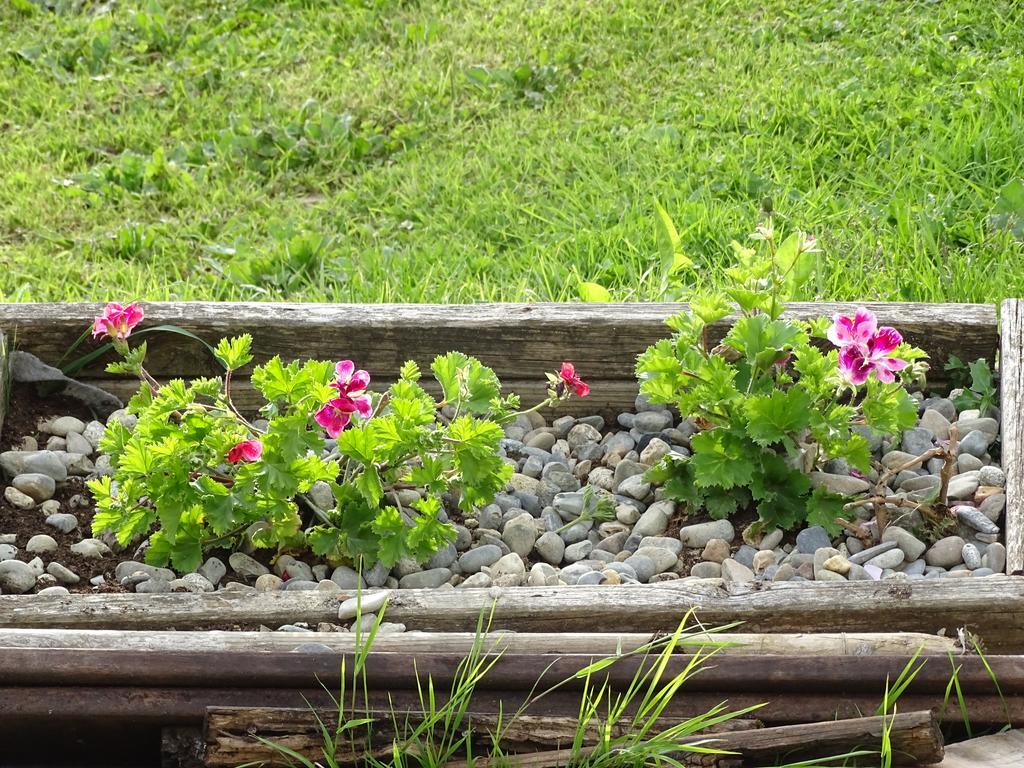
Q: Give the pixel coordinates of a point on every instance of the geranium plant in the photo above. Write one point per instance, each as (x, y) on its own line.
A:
(203, 473)
(770, 403)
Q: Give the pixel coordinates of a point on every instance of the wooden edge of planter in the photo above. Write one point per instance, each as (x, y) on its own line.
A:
(830, 644)
(520, 341)
(990, 607)
(1011, 401)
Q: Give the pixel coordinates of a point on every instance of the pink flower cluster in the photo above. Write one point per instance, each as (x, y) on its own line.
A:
(117, 321)
(351, 384)
(864, 348)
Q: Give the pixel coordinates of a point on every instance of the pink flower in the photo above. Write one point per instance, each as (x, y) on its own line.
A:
(336, 414)
(856, 330)
(572, 379)
(116, 321)
(865, 348)
(247, 450)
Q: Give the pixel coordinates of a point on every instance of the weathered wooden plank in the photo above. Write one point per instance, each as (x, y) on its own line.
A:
(168, 706)
(230, 733)
(992, 607)
(914, 739)
(999, 750)
(517, 340)
(507, 671)
(859, 644)
(1011, 380)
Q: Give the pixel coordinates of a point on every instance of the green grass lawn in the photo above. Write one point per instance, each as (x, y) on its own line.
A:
(446, 151)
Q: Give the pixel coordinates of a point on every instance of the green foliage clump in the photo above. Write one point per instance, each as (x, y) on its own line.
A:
(177, 471)
(771, 404)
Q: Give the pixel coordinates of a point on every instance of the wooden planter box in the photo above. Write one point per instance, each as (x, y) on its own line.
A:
(521, 342)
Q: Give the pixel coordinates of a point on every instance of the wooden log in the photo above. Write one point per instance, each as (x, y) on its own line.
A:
(914, 737)
(513, 672)
(1011, 382)
(915, 740)
(518, 340)
(167, 706)
(859, 644)
(230, 732)
(991, 607)
(999, 750)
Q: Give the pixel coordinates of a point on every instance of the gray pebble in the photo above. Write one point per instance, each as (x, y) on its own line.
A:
(810, 540)
(63, 522)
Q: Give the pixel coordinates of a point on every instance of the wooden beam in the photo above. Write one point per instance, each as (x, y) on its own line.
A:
(859, 644)
(991, 607)
(508, 671)
(230, 733)
(1011, 382)
(914, 739)
(518, 340)
(168, 706)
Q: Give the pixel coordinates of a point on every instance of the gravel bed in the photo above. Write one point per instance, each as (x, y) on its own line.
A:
(533, 533)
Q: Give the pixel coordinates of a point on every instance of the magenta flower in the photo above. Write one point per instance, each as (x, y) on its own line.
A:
(336, 414)
(856, 330)
(572, 379)
(117, 321)
(865, 348)
(247, 450)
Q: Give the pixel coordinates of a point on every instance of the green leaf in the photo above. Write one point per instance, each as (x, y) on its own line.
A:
(721, 504)
(234, 353)
(778, 417)
(392, 532)
(888, 408)
(670, 257)
(823, 508)
(720, 458)
(593, 292)
(751, 336)
(796, 265)
(710, 308)
(780, 492)
(1008, 211)
(468, 385)
(158, 552)
(186, 554)
(358, 442)
(369, 485)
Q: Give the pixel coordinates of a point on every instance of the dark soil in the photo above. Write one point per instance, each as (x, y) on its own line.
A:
(27, 410)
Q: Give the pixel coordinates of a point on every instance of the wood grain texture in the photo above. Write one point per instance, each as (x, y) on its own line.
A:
(508, 671)
(168, 706)
(1011, 401)
(999, 750)
(991, 607)
(859, 644)
(230, 733)
(520, 341)
(914, 738)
